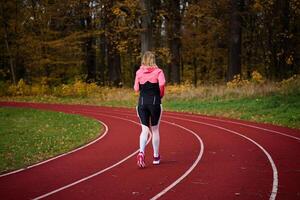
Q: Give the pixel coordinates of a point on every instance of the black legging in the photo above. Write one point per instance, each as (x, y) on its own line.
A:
(149, 113)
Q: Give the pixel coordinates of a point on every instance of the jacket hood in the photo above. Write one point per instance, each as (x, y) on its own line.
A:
(148, 69)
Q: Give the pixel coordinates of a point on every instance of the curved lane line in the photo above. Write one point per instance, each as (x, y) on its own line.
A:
(275, 172)
(99, 172)
(240, 123)
(61, 155)
(164, 191)
(227, 121)
(102, 171)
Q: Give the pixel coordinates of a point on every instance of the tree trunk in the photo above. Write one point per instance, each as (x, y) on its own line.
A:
(11, 62)
(90, 53)
(90, 60)
(102, 65)
(114, 63)
(174, 33)
(195, 71)
(234, 67)
(146, 35)
(284, 41)
(9, 52)
(102, 46)
(113, 55)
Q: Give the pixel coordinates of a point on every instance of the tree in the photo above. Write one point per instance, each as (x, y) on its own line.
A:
(174, 35)
(5, 9)
(89, 41)
(235, 48)
(146, 35)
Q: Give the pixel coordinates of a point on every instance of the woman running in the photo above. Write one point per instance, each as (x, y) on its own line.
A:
(150, 82)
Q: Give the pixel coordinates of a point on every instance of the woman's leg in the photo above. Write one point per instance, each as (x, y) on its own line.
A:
(143, 138)
(144, 115)
(156, 112)
(155, 140)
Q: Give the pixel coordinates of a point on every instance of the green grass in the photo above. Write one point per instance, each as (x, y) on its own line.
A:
(28, 136)
(277, 109)
(271, 102)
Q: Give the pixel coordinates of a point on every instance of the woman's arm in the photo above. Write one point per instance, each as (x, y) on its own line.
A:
(136, 83)
(162, 82)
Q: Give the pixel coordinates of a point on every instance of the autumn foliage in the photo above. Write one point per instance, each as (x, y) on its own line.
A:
(99, 41)
(237, 88)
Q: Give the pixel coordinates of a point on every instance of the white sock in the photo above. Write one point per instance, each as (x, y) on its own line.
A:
(155, 140)
(143, 138)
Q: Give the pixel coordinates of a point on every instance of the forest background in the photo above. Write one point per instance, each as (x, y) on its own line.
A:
(100, 41)
(232, 58)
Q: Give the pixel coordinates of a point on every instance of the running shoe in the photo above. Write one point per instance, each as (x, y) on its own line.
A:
(156, 160)
(141, 160)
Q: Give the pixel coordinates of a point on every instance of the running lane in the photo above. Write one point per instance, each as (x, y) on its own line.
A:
(259, 179)
(120, 142)
(59, 172)
(232, 167)
(283, 144)
(239, 161)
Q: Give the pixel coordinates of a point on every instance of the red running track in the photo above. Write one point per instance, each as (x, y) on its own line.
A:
(202, 158)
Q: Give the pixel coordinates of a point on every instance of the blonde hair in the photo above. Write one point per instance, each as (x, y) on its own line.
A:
(148, 59)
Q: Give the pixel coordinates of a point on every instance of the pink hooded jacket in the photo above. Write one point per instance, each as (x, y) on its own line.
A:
(152, 74)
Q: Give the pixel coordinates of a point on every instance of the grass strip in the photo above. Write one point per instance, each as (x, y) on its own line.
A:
(28, 136)
(275, 108)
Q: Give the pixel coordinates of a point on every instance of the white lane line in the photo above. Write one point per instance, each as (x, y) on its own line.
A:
(238, 123)
(159, 194)
(164, 191)
(99, 172)
(229, 121)
(275, 172)
(200, 154)
(61, 155)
